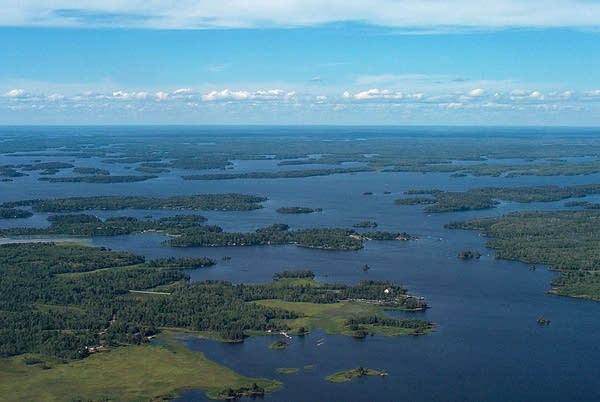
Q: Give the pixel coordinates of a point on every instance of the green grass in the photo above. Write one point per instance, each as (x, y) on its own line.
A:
(348, 375)
(287, 370)
(132, 373)
(332, 317)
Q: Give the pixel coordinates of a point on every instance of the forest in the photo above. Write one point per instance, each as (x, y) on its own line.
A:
(61, 300)
(229, 202)
(486, 197)
(567, 241)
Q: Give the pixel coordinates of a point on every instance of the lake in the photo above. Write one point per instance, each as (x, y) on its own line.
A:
(487, 344)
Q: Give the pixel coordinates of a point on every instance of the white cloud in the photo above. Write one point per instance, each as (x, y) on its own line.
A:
(375, 94)
(16, 93)
(477, 92)
(55, 97)
(183, 92)
(261, 94)
(225, 94)
(405, 14)
(161, 95)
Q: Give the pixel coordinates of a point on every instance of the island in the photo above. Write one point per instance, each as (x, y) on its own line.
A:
(100, 179)
(91, 171)
(278, 345)
(349, 375)
(14, 213)
(287, 370)
(297, 210)
(486, 197)
(70, 309)
(469, 255)
(218, 202)
(365, 224)
(286, 174)
(566, 241)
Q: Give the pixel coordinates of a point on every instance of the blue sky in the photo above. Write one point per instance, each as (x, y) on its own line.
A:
(304, 62)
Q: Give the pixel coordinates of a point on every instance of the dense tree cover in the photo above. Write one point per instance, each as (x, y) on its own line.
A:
(181, 263)
(485, 197)
(469, 255)
(322, 238)
(584, 204)
(91, 171)
(293, 275)
(365, 224)
(297, 210)
(276, 175)
(14, 213)
(58, 299)
(387, 236)
(92, 226)
(360, 324)
(188, 231)
(101, 179)
(47, 166)
(565, 240)
(391, 149)
(230, 202)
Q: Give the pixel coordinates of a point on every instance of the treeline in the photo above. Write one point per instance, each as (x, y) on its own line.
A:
(14, 213)
(92, 226)
(188, 231)
(181, 263)
(91, 171)
(567, 241)
(302, 274)
(297, 210)
(321, 238)
(230, 202)
(277, 175)
(100, 179)
(58, 299)
(486, 197)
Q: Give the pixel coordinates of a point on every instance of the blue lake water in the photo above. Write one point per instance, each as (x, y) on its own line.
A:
(487, 344)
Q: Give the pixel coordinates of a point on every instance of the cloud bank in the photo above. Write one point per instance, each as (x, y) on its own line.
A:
(207, 14)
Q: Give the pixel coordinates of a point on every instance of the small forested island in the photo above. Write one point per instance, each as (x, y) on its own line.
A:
(543, 321)
(348, 375)
(101, 179)
(46, 166)
(486, 197)
(181, 263)
(365, 224)
(14, 213)
(278, 345)
(300, 274)
(226, 202)
(319, 238)
(277, 175)
(91, 171)
(469, 255)
(287, 370)
(567, 241)
(297, 210)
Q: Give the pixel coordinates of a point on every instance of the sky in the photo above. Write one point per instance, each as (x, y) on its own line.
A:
(376, 62)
